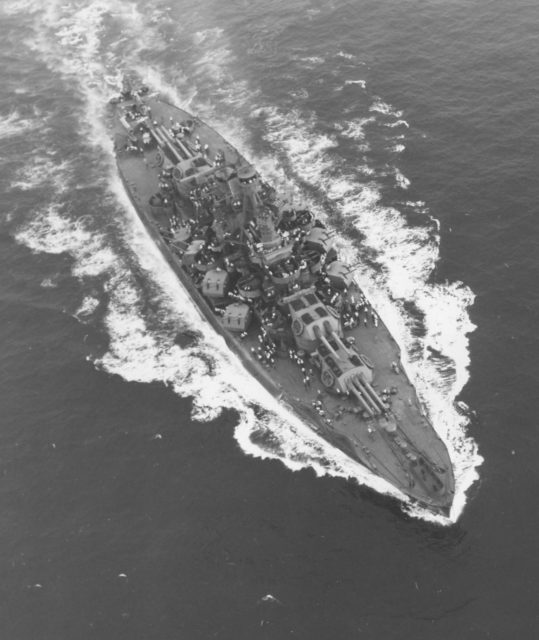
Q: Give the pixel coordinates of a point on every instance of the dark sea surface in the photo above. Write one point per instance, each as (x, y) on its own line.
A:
(153, 492)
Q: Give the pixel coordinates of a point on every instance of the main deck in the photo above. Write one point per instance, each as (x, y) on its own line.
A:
(398, 444)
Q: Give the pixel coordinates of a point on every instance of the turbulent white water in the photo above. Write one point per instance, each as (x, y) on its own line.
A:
(88, 45)
(14, 124)
(41, 170)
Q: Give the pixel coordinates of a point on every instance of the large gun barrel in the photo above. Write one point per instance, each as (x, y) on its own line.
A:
(178, 143)
(324, 341)
(372, 393)
(164, 143)
(358, 390)
(362, 402)
(178, 151)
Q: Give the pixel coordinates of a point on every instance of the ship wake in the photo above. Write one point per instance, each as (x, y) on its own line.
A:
(142, 305)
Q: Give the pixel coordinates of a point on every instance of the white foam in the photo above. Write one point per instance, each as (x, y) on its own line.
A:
(88, 306)
(40, 170)
(419, 205)
(346, 56)
(339, 188)
(312, 60)
(48, 283)
(402, 180)
(14, 7)
(299, 94)
(355, 129)
(397, 123)
(199, 37)
(361, 83)
(386, 109)
(52, 231)
(14, 124)
(307, 151)
(210, 69)
(408, 254)
(214, 63)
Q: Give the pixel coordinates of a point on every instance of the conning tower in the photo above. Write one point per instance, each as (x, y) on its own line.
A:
(253, 208)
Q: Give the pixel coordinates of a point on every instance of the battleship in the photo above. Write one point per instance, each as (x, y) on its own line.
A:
(265, 274)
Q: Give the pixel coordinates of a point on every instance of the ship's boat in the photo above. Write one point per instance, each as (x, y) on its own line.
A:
(266, 275)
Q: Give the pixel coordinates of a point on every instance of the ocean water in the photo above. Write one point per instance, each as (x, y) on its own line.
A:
(150, 491)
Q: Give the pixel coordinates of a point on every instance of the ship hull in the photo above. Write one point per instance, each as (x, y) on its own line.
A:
(376, 451)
